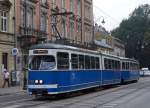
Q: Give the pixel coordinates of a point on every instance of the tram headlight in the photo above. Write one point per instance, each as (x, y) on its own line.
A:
(36, 81)
(41, 81)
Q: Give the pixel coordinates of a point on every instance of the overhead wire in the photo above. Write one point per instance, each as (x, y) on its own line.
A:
(102, 11)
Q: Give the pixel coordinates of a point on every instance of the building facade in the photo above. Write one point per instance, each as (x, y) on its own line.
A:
(103, 40)
(39, 21)
(119, 47)
(76, 27)
(107, 43)
(36, 17)
(6, 37)
(51, 20)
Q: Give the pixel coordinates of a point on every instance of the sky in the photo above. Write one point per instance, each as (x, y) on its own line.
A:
(114, 11)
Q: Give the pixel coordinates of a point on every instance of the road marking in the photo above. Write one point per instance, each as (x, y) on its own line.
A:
(12, 106)
(109, 105)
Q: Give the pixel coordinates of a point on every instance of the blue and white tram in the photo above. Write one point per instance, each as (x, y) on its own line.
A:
(111, 73)
(130, 70)
(55, 69)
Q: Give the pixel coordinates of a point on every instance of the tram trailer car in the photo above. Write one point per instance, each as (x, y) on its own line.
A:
(56, 69)
(111, 73)
(130, 70)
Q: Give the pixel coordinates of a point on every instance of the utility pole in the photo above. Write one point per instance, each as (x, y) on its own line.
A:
(23, 50)
(54, 23)
(15, 45)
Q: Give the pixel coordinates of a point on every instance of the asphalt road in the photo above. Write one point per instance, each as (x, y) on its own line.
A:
(133, 95)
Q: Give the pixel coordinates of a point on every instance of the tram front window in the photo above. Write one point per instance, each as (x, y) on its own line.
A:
(42, 62)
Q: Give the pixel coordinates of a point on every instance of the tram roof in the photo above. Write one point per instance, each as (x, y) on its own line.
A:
(66, 47)
(129, 59)
(60, 46)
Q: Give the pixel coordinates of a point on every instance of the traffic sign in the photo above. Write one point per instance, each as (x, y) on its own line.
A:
(14, 51)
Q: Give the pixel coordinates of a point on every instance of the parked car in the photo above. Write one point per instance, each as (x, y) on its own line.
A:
(144, 72)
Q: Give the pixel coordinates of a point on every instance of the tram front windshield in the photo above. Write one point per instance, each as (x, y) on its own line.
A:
(42, 62)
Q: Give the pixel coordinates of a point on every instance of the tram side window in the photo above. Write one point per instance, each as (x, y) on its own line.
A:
(123, 66)
(110, 64)
(118, 65)
(131, 66)
(135, 66)
(106, 63)
(81, 62)
(74, 61)
(87, 62)
(92, 62)
(62, 60)
(127, 66)
(114, 64)
(97, 63)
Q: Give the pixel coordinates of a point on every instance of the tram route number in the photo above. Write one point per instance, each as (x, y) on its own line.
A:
(40, 51)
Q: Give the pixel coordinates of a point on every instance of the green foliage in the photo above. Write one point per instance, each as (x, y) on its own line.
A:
(135, 33)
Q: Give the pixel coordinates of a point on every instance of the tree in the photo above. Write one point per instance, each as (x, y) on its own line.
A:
(135, 33)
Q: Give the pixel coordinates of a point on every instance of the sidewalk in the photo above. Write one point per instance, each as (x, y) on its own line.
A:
(11, 90)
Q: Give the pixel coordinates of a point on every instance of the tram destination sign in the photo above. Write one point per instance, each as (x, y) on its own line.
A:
(40, 51)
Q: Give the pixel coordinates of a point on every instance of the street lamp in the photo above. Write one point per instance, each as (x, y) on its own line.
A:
(101, 17)
(103, 22)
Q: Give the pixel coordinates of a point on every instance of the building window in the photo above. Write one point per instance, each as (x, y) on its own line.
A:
(78, 27)
(78, 31)
(43, 2)
(23, 16)
(72, 30)
(30, 18)
(88, 12)
(64, 28)
(63, 3)
(4, 21)
(53, 21)
(5, 60)
(43, 22)
(79, 7)
(71, 5)
(53, 4)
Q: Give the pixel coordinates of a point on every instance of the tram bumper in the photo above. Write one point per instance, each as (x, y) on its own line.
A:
(42, 89)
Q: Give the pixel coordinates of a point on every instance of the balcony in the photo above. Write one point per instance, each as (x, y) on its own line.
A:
(30, 36)
(29, 3)
(33, 1)
(54, 8)
(6, 3)
(45, 4)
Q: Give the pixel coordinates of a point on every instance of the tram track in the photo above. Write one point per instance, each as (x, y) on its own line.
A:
(81, 97)
(142, 85)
